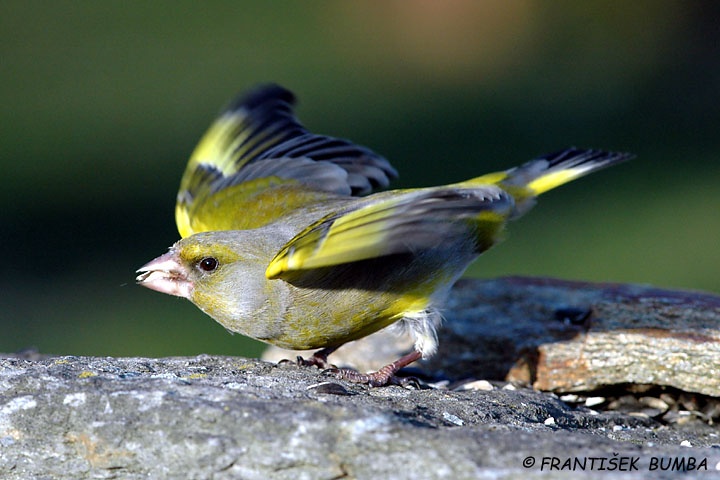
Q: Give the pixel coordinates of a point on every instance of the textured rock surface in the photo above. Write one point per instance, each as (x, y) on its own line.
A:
(211, 417)
(222, 417)
(565, 336)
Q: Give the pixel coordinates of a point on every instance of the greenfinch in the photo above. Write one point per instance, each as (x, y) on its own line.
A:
(282, 239)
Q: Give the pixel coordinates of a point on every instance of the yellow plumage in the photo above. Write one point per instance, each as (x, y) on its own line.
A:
(284, 241)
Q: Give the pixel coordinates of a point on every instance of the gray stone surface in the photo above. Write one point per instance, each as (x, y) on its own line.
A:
(224, 418)
(221, 417)
(564, 336)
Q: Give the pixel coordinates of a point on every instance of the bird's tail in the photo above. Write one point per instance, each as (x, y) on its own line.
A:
(539, 175)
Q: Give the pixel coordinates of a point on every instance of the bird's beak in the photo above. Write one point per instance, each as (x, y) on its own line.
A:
(166, 274)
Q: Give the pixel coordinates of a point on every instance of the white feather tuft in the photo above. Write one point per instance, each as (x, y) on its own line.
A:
(423, 328)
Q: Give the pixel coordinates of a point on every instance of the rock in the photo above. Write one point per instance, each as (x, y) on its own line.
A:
(221, 417)
(570, 336)
(564, 336)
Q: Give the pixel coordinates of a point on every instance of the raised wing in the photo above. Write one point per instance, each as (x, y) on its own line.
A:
(256, 161)
(408, 222)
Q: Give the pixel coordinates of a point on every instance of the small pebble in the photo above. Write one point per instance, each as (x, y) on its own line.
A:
(655, 403)
(685, 443)
(592, 401)
(440, 385)
(549, 421)
(330, 388)
(455, 420)
(481, 385)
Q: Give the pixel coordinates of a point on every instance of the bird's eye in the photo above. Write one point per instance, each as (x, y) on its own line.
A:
(208, 264)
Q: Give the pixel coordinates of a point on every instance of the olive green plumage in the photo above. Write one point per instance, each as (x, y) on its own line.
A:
(283, 240)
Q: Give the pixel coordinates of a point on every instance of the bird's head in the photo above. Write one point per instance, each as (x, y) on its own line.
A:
(220, 272)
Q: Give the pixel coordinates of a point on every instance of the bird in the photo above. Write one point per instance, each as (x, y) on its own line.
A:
(292, 238)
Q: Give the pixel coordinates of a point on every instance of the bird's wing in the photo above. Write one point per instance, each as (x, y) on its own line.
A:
(395, 222)
(256, 162)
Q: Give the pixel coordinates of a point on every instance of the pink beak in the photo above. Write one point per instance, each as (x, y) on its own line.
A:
(166, 274)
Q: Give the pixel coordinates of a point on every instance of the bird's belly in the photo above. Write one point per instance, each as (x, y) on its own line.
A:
(362, 299)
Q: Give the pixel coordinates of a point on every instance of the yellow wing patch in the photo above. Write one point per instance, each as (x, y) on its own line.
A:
(257, 144)
(356, 236)
(248, 205)
(219, 144)
(407, 222)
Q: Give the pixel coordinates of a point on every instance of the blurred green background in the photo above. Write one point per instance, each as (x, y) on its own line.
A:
(102, 102)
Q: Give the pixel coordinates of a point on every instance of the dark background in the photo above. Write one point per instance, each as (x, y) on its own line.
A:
(102, 102)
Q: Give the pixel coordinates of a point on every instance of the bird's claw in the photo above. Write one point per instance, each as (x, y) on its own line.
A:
(314, 361)
(384, 376)
(318, 359)
(381, 378)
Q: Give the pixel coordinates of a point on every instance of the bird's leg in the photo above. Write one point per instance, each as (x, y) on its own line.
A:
(384, 376)
(318, 359)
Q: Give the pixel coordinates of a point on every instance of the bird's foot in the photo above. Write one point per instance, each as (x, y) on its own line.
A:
(384, 376)
(318, 359)
(374, 379)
